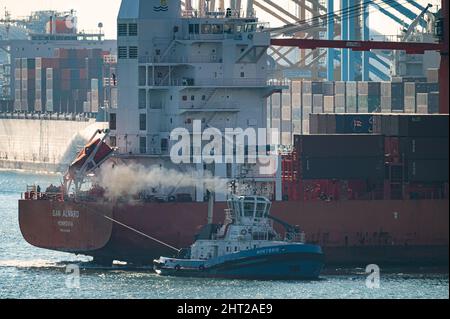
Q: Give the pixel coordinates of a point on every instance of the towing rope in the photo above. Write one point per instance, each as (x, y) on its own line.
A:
(133, 229)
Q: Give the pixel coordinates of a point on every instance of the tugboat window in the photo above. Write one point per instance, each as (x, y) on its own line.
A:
(249, 208)
(260, 210)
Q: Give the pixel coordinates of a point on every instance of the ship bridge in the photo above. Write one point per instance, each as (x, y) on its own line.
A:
(247, 209)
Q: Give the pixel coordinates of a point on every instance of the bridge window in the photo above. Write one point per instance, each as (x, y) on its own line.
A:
(142, 122)
(133, 52)
(228, 28)
(194, 28)
(216, 28)
(122, 29)
(122, 52)
(133, 29)
(206, 28)
(142, 99)
(112, 121)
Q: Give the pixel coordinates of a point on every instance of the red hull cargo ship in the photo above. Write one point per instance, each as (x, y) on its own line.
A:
(377, 194)
(367, 188)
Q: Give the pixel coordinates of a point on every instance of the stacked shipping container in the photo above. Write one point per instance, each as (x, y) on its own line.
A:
(308, 97)
(406, 156)
(61, 84)
(421, 141)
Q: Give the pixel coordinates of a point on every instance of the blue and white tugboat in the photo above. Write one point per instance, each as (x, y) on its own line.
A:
(246, 247)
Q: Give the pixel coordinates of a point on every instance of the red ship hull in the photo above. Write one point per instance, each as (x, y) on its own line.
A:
(350, 232)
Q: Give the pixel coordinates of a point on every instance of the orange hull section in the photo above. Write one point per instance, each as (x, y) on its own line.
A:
(63, 226)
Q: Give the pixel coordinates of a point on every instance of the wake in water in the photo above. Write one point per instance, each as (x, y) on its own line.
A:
(27, 264)
(43, 264)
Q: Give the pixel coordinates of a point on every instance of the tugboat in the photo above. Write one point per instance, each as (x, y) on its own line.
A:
(246, 246)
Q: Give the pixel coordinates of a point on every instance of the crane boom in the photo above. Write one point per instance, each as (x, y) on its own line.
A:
(414, 24)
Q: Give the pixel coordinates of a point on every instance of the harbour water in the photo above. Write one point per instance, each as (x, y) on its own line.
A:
(29, 272)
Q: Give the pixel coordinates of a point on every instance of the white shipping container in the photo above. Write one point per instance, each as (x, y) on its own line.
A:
(339, 87)
(410, 89)
(328, 104)
(307, 100)
(318, 100)
(422, 99)
(351, 88)
(433, 75)
(410, 104)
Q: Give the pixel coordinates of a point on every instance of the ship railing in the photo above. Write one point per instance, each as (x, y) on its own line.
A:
(182, 59)
(45, 116)
(192, 13)
(34, 195)
(295, 237)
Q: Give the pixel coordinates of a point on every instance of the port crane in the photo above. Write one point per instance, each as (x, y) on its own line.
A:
(408, 47)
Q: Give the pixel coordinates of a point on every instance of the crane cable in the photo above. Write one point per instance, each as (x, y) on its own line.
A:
(350, 12)
(131, 228)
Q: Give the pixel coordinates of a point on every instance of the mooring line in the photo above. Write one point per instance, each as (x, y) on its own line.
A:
(134, 230)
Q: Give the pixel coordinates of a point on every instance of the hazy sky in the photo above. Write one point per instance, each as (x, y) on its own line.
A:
(91, 12)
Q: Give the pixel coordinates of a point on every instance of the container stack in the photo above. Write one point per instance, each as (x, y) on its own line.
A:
(386, 97)
(433, 103)
(342, 123)
(286, 122)
(422, 103)
(352, 97)
(410, 97)
(368, 97)
(382, 124)
(61, 83)
(307, 97)
(296, 107)
(18, 85)
(42, 65)
(307, 103)
(328, 97)
(317, 92)
(424, 143)
(53, 102)
(343, 157)
(28, 84)
(276, 111)
(433, 75)
(398, 97)
(339, 99)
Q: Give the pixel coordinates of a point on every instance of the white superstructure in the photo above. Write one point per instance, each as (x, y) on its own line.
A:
(176, 67)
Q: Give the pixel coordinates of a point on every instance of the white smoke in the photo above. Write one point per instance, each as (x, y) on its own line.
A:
(129, 180)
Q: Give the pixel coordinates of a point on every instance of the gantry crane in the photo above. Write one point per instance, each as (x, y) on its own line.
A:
(408, 47)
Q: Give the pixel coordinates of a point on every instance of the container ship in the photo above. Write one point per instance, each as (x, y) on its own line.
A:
(370, 188)
(56, 84)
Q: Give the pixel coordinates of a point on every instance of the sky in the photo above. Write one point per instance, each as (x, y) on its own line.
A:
(91, 12)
